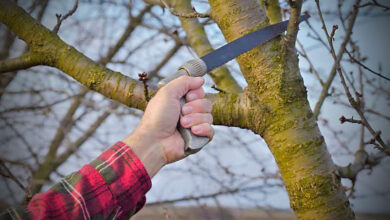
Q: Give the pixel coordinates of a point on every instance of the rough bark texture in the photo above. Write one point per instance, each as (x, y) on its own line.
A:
(52, 160)
(274, 105)
(291, 131)
(109, 83)
(197, 38)
(9, 38)
(57, 53)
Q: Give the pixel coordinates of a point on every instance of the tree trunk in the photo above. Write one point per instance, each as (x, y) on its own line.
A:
(274, 105)
(290, 130)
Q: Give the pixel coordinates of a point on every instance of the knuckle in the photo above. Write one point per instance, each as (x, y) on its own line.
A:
(197, 105)
(205, 105)
(209, 105)
(209, 118)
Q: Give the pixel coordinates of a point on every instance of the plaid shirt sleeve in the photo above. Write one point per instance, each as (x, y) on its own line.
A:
(111, 187)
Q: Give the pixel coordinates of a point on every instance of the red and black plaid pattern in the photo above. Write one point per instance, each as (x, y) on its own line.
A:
(111, 187)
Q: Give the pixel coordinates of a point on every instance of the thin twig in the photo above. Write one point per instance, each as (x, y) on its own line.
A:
(312, 69)
(292, 3)
(61, 18)
(38, 107)
(353, 59)
(317, 36)
(372, 111)
(351, 120)
(11, 176)
(375, 3)
(25, 142)
(143, 77)
(324, 93)
(354, 103)
(218, 89)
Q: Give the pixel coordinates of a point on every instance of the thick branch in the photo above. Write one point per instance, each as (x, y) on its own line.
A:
(273, 11)
(236, 110)
(23, 62)
(290, 131)
(8, 40)
(154, 2)
(197, 38)
(103, 80)
(52, 161)
(5, 79)
(293, 26)
(362, 161)
(66, 58)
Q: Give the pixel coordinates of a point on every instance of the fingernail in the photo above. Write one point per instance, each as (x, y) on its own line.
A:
(186, 121)
(186, 109)
(196, 128)
(191, 96)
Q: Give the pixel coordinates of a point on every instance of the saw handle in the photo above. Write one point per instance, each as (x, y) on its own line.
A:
(192, 142)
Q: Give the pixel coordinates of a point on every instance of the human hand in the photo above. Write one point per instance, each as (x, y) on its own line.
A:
(156, 135)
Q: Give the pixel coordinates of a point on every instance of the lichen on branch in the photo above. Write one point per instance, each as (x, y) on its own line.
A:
(114, 85)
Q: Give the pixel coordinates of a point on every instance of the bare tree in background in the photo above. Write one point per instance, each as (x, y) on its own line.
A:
(47, 118)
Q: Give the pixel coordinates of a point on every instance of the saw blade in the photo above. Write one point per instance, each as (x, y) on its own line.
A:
(245, 43)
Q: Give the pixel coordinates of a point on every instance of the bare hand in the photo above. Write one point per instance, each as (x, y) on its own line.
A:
(157, 129)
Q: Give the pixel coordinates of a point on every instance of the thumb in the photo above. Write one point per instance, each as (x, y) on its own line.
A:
(179, 87)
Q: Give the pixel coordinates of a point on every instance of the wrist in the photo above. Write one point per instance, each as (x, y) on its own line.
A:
(150, 153)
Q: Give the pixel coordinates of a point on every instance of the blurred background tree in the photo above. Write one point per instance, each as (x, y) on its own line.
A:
(51, 125)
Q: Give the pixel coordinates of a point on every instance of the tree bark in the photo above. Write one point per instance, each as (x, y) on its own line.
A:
(6, 78)
(52, 160)
(274, 105)
(197, 38)
(290, 130)
(111, 84)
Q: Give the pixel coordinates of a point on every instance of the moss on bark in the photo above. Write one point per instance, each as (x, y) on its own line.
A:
(290, 129)
(197, 38)
(274, 105)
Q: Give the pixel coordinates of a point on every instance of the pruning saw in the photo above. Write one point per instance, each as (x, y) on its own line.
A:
(199, 67)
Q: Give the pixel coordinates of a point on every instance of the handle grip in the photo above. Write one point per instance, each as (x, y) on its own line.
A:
(192, 142)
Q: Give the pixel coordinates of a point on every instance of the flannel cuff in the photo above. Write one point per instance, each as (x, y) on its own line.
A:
(125, 176)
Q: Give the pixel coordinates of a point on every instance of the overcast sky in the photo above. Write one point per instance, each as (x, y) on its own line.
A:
(371, 33)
